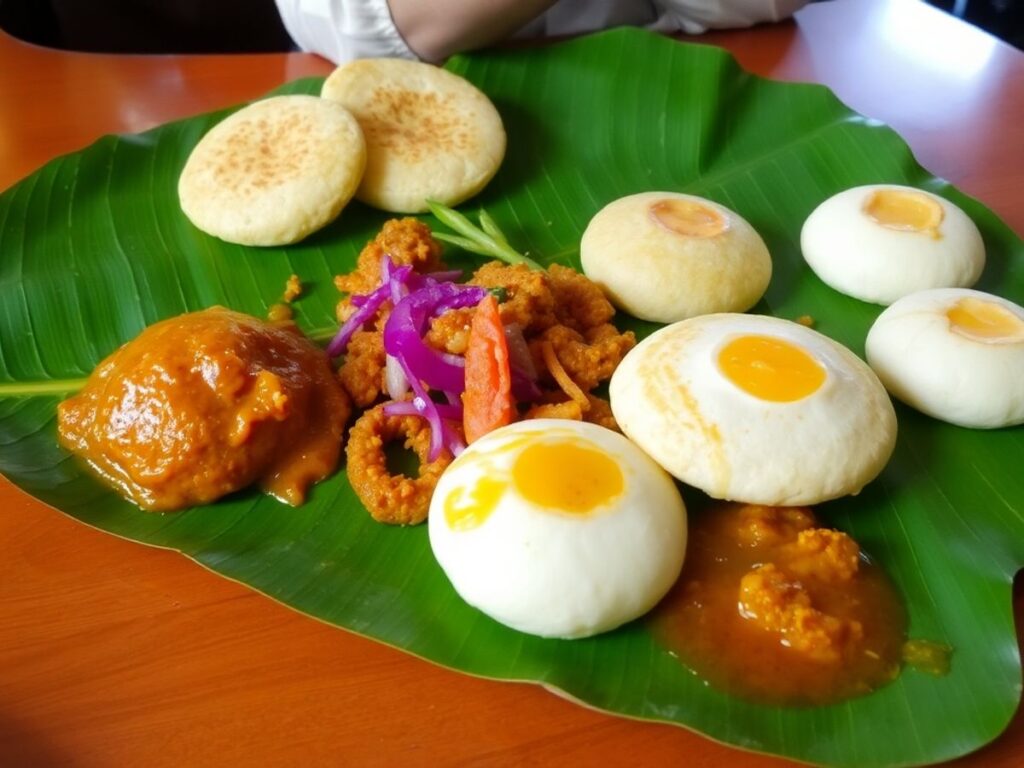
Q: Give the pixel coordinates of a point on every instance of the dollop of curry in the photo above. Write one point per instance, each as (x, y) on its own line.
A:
(772, 607)
(207, 403)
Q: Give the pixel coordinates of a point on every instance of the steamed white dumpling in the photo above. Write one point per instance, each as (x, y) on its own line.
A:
(558, 528)
(881, 242)
(955, 354)
(755, 409)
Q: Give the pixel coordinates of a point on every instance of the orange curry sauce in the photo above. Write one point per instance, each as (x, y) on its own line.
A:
(206, 403)
(773, 609)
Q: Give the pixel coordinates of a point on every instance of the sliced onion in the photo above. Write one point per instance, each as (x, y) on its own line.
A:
(410, 362)
(457, 360)
(359, 318)
(387, 268)
(425, 407)
(524, 389)
(519, 356)
(446, 276)
(394, 378)
(393, 286)
(399, 283)
(404, 329)
(453, 438)
(416, 408)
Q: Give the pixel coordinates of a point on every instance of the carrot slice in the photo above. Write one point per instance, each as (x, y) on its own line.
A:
(487, 401)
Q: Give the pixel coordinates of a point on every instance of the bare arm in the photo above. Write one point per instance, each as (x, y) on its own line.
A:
(437, 29)
(695, 16)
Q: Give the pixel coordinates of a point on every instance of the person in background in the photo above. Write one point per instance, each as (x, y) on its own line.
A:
(342, 30)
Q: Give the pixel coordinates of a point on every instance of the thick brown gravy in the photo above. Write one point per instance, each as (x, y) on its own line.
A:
(204, 404)
(770, 608)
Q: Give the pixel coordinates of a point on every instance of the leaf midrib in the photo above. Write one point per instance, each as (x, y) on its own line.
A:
(63, 386)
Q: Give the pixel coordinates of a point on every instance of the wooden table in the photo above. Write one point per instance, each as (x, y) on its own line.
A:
(114, 654)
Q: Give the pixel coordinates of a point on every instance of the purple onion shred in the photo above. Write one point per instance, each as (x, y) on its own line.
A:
(418, 299)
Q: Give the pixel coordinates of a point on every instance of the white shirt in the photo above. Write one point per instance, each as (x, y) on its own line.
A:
(342, 30)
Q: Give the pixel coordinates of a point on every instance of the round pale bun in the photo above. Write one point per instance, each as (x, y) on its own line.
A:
(666, 256)
(274, 171)
(972, 376)
(677, 396)
(919, 241)
(429, 134)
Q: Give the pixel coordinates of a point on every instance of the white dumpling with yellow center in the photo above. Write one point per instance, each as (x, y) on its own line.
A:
(558, 528)
(755, 409)
(878, 243)
(666, 256)
(955, 354)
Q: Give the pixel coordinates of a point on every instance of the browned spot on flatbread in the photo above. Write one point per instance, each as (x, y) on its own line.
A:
(413, 124)
(261, 153)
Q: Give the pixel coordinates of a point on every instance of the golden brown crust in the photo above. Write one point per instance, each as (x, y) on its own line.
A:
(430, 134)
(565, 409)
(393, 499)
(558, 307)
(588, 360)
(579, 302)
(362, 373)
(553, 407)
(274, 171)
(406, 241)
(600, 413)
(528, 302)
(450, 331)
(437, 126)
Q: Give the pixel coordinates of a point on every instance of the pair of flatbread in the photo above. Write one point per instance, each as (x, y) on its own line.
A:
(391, 132)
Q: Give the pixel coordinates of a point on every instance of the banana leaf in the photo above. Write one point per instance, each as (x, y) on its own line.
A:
(94, 247)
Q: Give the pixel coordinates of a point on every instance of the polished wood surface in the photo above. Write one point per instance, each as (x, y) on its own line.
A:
(115, 654)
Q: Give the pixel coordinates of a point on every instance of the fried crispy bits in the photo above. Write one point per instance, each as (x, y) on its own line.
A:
(392, 498)
(561, 324)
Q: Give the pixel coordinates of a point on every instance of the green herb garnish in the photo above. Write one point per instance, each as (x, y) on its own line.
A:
(485, 240)
(499, 292)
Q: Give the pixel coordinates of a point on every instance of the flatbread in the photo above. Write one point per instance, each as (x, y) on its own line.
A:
(274, 171)
(429, 134)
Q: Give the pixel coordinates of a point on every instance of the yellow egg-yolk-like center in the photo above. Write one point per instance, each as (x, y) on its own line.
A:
(985, 321)
(567, 477)
(904, 210)
(557, 476)
(688, 218)
(468, 508)
(771, 368)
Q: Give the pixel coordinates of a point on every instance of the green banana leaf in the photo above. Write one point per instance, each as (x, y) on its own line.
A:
(94, 247)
